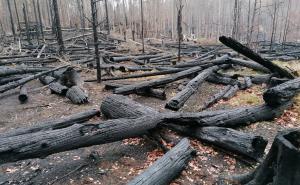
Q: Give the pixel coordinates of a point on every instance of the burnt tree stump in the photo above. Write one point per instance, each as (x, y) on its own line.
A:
(281, 166)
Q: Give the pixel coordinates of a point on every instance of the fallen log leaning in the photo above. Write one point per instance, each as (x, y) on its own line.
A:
(168, 167)
(53, 124)
(282, 93)
(129, 89)
(238, 47)
(18, 83)
(179, 100)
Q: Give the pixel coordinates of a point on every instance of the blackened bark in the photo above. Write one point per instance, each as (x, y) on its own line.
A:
(238, 47)
(168, 167)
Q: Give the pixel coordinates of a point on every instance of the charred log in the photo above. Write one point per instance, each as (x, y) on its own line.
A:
(249, 145)
(238, 47)
(46, 80)
(23, 81)
(228, 118)
(43, 143)
(53, 124)
(23, 96)
(168, 167)
(231, 92)
(129, 89)
(77, 95)
(214, 99)
(57, 88)
(179, 100)
(282, 93)
(7, 71)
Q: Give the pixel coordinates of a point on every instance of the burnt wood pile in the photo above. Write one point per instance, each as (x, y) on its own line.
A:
(125, 118)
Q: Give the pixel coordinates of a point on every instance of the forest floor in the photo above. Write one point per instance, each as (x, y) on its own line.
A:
(119, 162)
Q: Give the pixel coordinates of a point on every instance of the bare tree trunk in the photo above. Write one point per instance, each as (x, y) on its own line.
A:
(287, 23)
(18, 19)
(126, 18)
(58, 27)
(11, 19)
(36, 25)
(80, 9)
(26, 24)
(179, 29)
(252, 23)
(142, 22)
(274, 24)
(40, 18)
(96, 42)
(107, 18)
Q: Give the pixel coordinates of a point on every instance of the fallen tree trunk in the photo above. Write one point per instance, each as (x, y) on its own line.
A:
(280, 167)
(228, 118)
(168, 167)
(53, 124)
(77, 95)
(23, 81)
(7, 71)
(200, 62)
(179, 100)
(57, 88)
(46, 80)
(249, 64)
(231, 92)
(129, 89)
(282, 93)
(43, 143)
(6, 80)
(238, 47)
(117, 106)
(251, 146)
(23, 96)
(217, 78)
(214, 99)
(147, 74)
(155, 93)
(247, 83)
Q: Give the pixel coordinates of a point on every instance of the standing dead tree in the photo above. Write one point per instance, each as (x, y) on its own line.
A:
(142, 22)
(58, 26)
(17, 15)
(107, 17)
(40, 18)
(26, 24)
(11, 20)
(179, 28)
(96, 44)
